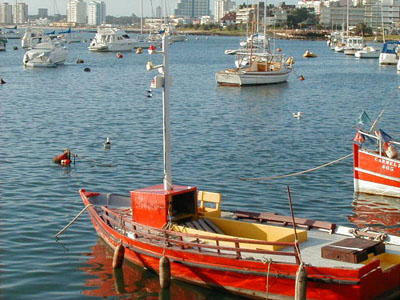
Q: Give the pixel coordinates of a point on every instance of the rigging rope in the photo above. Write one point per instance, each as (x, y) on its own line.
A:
(297, 173)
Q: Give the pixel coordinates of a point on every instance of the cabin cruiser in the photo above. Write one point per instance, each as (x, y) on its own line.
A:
(354, 44)
(111, 39)
(46, 54)
(32, 37)
(390, 53)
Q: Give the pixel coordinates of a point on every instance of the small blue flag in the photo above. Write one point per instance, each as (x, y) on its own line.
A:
(364, 118)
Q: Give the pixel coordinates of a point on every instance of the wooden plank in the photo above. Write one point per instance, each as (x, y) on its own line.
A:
(189, 225)
(213, 226)
(272, 217)
(197, 225)
(205, 226)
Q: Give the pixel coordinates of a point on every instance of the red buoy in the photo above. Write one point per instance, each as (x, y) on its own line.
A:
(301, 77)
(119, 55)
(64, 158)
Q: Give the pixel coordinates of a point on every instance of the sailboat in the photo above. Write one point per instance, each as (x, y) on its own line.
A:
(145, 41)
(173, 230)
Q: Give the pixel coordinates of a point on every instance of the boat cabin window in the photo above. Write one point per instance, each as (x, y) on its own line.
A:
(183, 205)
(125, 36)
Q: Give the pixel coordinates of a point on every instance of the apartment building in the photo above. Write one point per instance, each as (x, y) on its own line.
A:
(96, 13)
(76, 12)
(5, 13)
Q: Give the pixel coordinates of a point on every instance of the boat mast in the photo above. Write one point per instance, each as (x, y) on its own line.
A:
(347, 30)
(141, 17)
(166, 121)
(383, 28)
(264, 24)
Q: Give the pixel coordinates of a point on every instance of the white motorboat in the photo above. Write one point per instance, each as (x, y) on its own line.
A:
(173, 35)
(32, 37)
(111, 39)
(398, 66)
(46, 54)
(264, 69)
(368, 52)
(353, 44)
(390, 53)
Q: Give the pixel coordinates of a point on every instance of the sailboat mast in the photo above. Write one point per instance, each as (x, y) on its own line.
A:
(141, 17)
(264, 24)
(166, 121)
(347, 30)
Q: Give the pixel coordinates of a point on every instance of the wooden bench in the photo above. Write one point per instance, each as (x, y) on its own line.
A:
(284, 220)
(203, 224)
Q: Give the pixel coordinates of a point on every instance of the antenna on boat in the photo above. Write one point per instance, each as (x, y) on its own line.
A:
(163, 81)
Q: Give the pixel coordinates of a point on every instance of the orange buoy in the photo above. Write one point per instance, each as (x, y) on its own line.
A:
(118, 258)
(119, 55)
(63, 158)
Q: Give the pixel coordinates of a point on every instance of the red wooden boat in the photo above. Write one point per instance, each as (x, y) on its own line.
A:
(255, 255)
(377, 169)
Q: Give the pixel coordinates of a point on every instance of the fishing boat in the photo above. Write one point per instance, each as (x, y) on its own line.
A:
(377, 166)
(308, 53)
(109, 39)
(390, 53)
(49, 53)
(181, 232)
(368, 52)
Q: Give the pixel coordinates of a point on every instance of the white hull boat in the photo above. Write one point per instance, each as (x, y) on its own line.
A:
(32, 37)
(109, 39)
(368, 52)
(390, 53)
(261, 71)
(47, 54)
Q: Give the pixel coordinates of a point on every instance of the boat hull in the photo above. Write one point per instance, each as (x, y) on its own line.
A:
(254, 279)
(388, 59)
(375, 174)
(237, 78)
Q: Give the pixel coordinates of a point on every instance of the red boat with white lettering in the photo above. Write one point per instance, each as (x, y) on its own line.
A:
(376, 168)
(181, 233)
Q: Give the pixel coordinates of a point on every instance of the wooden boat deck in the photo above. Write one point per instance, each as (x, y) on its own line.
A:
(310, 250)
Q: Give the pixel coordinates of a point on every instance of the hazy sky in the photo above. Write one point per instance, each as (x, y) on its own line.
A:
(119, 7)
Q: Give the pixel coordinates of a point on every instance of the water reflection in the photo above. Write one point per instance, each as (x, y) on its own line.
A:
(377, 212)
(132, 282)
(262, 91)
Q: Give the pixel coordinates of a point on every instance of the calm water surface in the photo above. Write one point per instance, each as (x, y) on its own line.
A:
(219, 135)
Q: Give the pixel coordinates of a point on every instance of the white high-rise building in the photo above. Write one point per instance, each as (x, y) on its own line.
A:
(192, 8)
(5, 13)
(76, 12)
(20, 15)
(96, 13)
(222, 7)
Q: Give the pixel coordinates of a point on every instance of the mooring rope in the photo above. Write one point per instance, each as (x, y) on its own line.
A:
(297, 173)
(74, 219)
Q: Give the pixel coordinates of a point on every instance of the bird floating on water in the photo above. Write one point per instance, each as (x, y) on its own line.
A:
(297, 115)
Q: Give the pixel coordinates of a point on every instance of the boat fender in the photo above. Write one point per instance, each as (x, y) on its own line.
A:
(118, 258)
(165, 272)
(86, 69)
(119, 55)
(2, 81)
(301, 283)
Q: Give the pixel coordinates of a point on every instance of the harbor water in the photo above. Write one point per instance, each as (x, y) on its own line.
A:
(219, 135)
